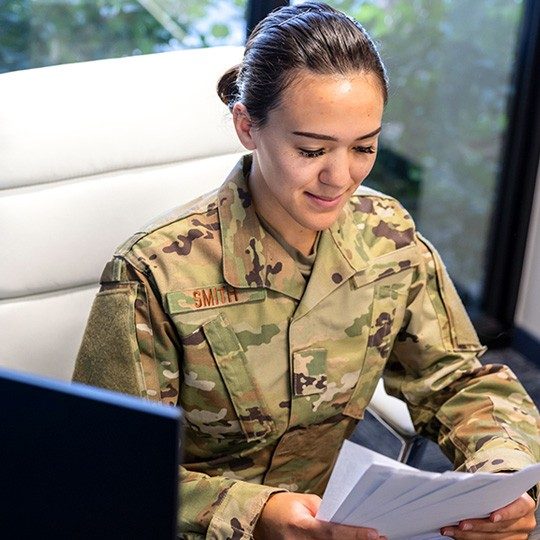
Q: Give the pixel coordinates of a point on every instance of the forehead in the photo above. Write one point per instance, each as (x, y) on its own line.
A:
(331, 102)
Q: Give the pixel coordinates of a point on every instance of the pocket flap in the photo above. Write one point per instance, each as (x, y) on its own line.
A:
(243, 392)
(387, 265)
(386, 317)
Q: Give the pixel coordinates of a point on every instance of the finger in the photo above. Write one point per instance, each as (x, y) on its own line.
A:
(524, 524)
(517, 516)
(312, 503)
(480, 529)
(333, 531)
(455, 533)
(516, 509)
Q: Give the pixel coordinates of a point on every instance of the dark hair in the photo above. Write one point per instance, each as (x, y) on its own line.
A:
(312, 36)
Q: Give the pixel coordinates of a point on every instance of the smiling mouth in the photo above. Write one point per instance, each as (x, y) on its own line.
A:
(325, 201)
(329, 199)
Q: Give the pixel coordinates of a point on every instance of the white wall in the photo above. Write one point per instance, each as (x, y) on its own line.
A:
(528, 308)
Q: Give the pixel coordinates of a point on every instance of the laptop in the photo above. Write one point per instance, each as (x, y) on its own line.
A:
(80, 462)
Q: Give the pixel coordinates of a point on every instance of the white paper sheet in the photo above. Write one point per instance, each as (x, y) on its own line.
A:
(398, 483)
(349, 468)
(371, 481)
(477, 502)
(370, 490)
(426, 484)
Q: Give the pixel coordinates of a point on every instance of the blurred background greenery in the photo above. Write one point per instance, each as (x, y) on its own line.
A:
(35, 33)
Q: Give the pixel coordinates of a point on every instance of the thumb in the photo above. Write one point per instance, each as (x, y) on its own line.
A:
(312, 503)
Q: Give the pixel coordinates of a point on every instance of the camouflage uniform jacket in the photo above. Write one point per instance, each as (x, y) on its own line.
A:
(206, 310)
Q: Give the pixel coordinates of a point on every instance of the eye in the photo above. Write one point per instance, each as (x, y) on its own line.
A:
(364, 149)
(311, 153)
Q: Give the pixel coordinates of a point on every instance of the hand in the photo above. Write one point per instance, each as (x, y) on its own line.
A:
(291, 516)
(513, 522)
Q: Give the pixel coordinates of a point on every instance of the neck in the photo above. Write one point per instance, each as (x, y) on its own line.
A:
(294, 234)
(301, 239)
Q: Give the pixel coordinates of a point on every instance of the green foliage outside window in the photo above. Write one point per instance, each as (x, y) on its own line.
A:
(37, 33)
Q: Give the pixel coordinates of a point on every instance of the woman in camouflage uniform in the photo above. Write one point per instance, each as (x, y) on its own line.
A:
(269, 309)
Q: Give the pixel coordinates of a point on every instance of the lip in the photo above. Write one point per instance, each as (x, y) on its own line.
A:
(324, 202)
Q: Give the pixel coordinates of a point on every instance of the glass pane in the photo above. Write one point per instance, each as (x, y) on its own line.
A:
(450, 65)
(37, 33)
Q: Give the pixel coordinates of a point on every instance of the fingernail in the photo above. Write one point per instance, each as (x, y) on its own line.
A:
(466, 527)
(373, 535)
(447, 532)
(496, 517)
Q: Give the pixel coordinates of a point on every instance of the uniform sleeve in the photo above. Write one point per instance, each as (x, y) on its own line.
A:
(481, 416)
(130, 346)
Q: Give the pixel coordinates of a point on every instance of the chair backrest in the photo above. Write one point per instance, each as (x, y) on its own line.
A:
(88, 153)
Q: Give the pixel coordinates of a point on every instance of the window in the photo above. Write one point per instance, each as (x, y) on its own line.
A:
(450, 65)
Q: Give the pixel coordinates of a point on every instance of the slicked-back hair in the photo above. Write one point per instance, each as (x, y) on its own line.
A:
(310, 36)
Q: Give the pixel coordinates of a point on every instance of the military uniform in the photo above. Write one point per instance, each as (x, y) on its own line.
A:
(205, 309)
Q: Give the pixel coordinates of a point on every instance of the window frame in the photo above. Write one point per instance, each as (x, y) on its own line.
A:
(257, 10)
(520, 158)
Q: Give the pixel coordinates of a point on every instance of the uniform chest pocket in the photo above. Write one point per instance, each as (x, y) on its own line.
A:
(246, 398)
(388, 309)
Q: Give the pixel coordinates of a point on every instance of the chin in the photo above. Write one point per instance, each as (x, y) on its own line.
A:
(320, 226)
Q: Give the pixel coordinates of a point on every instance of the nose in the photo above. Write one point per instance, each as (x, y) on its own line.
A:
(336, 171)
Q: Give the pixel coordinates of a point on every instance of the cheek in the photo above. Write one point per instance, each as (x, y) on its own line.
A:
(276, 158)
(284, 176)
(301, 172)
(362, 169)
(290, 168)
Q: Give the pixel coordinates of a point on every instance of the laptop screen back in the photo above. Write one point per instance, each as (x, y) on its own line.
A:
(81, 462)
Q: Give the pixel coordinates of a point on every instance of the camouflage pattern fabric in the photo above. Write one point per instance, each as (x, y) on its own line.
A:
(274, 373)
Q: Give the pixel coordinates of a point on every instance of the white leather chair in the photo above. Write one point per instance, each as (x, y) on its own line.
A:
(88, 153)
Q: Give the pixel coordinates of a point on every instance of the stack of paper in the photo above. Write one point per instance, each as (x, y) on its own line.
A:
(367, 489)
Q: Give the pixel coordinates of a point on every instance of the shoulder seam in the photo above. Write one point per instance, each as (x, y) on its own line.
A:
(191, 208)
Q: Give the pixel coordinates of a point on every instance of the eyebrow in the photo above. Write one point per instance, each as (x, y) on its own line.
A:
(321, 137)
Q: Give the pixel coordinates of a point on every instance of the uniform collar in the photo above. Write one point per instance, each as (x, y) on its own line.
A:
(337, 261)
(348, 236)
(252, 258)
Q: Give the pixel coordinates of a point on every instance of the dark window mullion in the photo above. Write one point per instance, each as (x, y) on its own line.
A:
(512, 211)
(257, 10)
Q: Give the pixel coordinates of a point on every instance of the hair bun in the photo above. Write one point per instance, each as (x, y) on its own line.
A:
(227, 87)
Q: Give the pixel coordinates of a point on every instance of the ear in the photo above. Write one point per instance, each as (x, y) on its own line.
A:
(243, 125)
